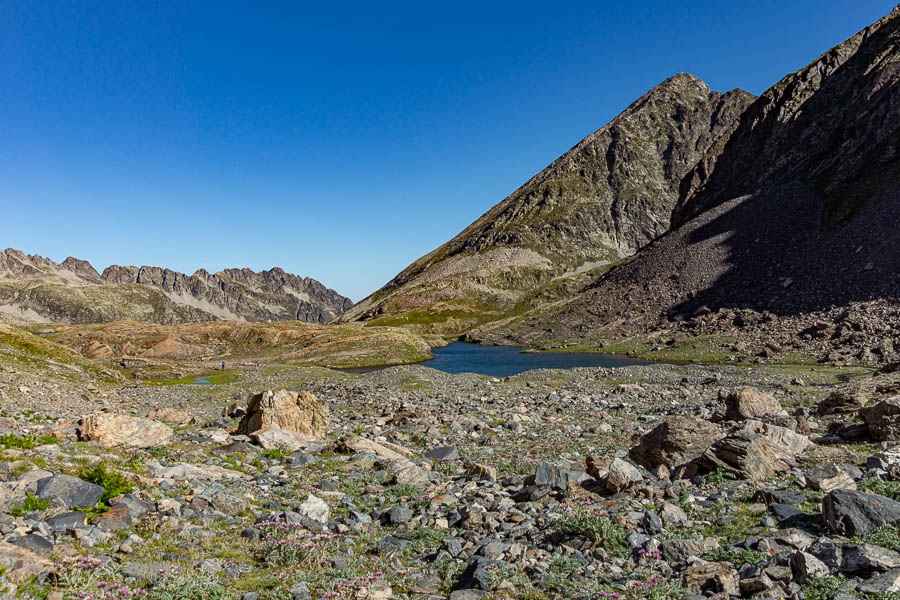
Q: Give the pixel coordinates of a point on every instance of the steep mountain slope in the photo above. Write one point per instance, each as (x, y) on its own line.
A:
(601, 201)
(33, 289)
(795, 214)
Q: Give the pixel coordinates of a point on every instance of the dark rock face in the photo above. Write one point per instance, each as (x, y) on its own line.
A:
(850, 512)
(601, 201)
(33, 287)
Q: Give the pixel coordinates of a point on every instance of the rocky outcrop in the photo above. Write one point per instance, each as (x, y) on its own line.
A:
(675, 442)
(34, 288)
(599, 202)
(299, 412)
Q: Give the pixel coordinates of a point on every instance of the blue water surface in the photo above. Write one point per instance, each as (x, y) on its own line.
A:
(502, 361)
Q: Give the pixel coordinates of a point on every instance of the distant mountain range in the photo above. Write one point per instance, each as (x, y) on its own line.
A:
(37, 289)
(693, 202)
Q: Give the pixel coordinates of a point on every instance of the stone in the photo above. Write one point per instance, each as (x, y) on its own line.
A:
(354, 444)
(848, 557)
(409, 473)
(443, 453)
(806, 566)
(756, 451)
(300, 412)
(224, 501)
(749, 403)
(191, 472)
(36, 543)
(651, 522)
(70, 491)
(273, 438)
(826, 477)
(622, 476)
(674, 442)
(680, 550)
(711, 578)
(67, 521)
(557, 477)
(20, 564)
(881, 583)
(883, 419)
(479, 471)
(852, 512)
(169, 415)
(672, 515)
(111, 430)
(315, 508)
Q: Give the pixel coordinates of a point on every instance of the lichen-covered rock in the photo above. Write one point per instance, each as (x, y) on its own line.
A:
(111, 430)
(674, 442)
(300, 412)
(749, 403)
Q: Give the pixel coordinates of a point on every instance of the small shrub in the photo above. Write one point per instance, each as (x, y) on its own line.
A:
(601, 530)
(737, 556)
(113, 482)
(719, 477)
(276, 453)
(32, 504)
(401, 491)
(822, 587)
(289, 545)
(886, 537)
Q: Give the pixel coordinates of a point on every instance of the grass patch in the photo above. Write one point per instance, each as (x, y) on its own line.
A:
(26, 442)
(601, 530)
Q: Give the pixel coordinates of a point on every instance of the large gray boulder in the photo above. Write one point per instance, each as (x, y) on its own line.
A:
(674, 442)
(851, 512)
(749, 403)
(70, 491)
(883, 419)
(756, 451)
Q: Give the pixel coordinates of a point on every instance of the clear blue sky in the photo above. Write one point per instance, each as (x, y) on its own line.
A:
(339, 140)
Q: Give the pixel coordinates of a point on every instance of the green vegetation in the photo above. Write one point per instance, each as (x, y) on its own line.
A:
(32, 504)
(113, 482)
(890, 489)
(601, 530)
(26, 442)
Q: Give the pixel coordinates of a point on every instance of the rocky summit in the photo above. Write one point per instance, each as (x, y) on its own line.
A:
(784, 235)
(599, 202)
(36, 289)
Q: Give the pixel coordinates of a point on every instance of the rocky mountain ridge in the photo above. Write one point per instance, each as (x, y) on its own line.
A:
(793, 216)
(34, 288)
(598, 203)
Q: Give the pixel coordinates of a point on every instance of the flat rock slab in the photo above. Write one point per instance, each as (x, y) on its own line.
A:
(110, 430)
